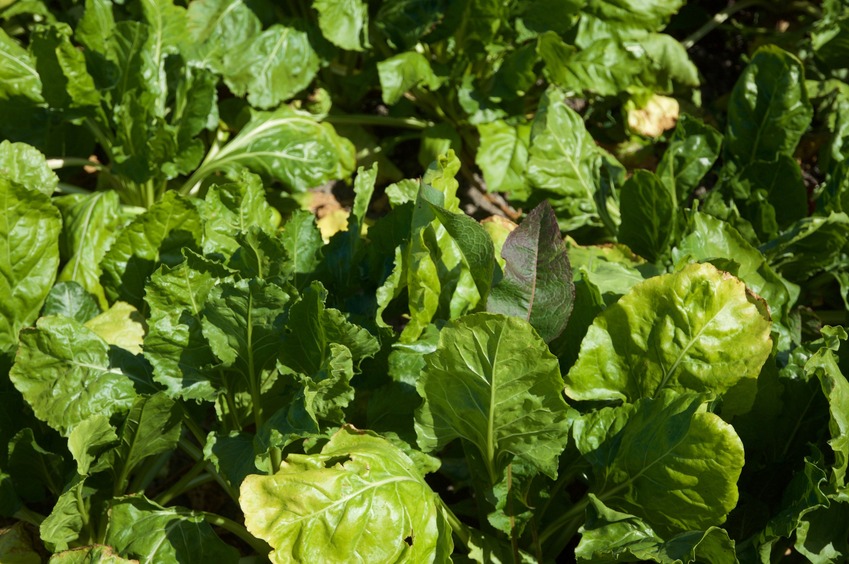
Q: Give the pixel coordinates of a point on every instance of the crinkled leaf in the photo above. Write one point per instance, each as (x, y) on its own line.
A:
(67, 374)
(810, 246)
(71, 300)
(287, 146)
(645, 13)
(313, 508)
(493, 382)
(66, 83)
(769, 109)
(153, 238)
(66, 521)
(174, 344)
(302, 241)
(271, 67)
(120, 325)
(821, 534)
(88, 440)
(694, 330)
(344, 22)
(29, 257)
(649, 213)
(214, 27)
(402, 72)
(90, 224)
(138, 528)
(26, 166)
(673, 465)
(96, 554)
(17, 545)
(260, 255)
(537, 284)
(564, 161)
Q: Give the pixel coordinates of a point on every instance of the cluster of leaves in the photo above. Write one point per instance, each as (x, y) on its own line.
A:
(190, 372)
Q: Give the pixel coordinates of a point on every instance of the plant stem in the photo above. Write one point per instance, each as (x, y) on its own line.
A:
(197, 455)
(237, 529)
(459, 528)
(64, 188)
(185, 483)
(564, 519)
(384, 121)
(718, 20)
(28, 516)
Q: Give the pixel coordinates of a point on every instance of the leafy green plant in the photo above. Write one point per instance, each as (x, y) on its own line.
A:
(192, 370)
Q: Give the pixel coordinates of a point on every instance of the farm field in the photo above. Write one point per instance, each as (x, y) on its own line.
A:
(424, 281)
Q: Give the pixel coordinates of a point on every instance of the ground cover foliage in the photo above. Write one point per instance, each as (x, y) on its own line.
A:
(640, 357)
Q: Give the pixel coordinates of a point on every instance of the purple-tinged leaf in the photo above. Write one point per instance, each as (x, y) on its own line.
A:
(537, 284)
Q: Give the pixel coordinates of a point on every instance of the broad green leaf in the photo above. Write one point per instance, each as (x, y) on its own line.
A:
(649, 14)
(95, 26)
(71, 300)
(821, 534)
(692, 150)
(610, 536)
(402, 72)
(290, 147)
(232, 208)
(153, 425)
(215, 27)
(302, 241)
(140, 529)
(503, 157)
(271, 67)
(694, 330)
(26, 166)
(713, 240)
(34, 468)
(153, 238)
(311, 510)
(564, 161)
(67, 520)
(328, 391)
(232, 455)
(537, 284)
(612, 269)
(90, 223)
(810, 246)
(167, 24)
(649, 214)
(181, 357)
(493, 382)
(19, 76)
(66, 83)
(29, 257)
(121, 325)
(67, 374)
(673, 465)
(96, 554)
(769, 109)
(88, 440)
(260, 255)
(403, 22)
(242, 322)
(344, 22)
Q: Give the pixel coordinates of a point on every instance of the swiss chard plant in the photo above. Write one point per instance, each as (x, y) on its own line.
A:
(645, 362)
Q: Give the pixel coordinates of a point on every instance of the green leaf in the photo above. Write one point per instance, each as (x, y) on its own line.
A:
(66, 83)
(812, 245)
(344, 22)
(242, 322)
(694, 330)
(140, 529)
(821, 535)
(769, 109)
(290, 147)
(402, 72)
(692, 150)
(33, 468)
(776, 195)
(26, 166)
(493, 382)
(96, 554)
(89, 440)
(649, 213)
(67, 374)
(120, 325)
(19, 78)
(271, 67)
(564, 161)
(403, 22)
(312, 508)
(17, 546)
(174, 344)
(90, 223)
(29, 257)
(610, 536)
(71, 300)
(503, 157)
(153, 238)
(67, 520)
(232, 208)
(537, 284)
(232, 455)
(214, 27)
(673, 465)
(302, 241)
(644, 13)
